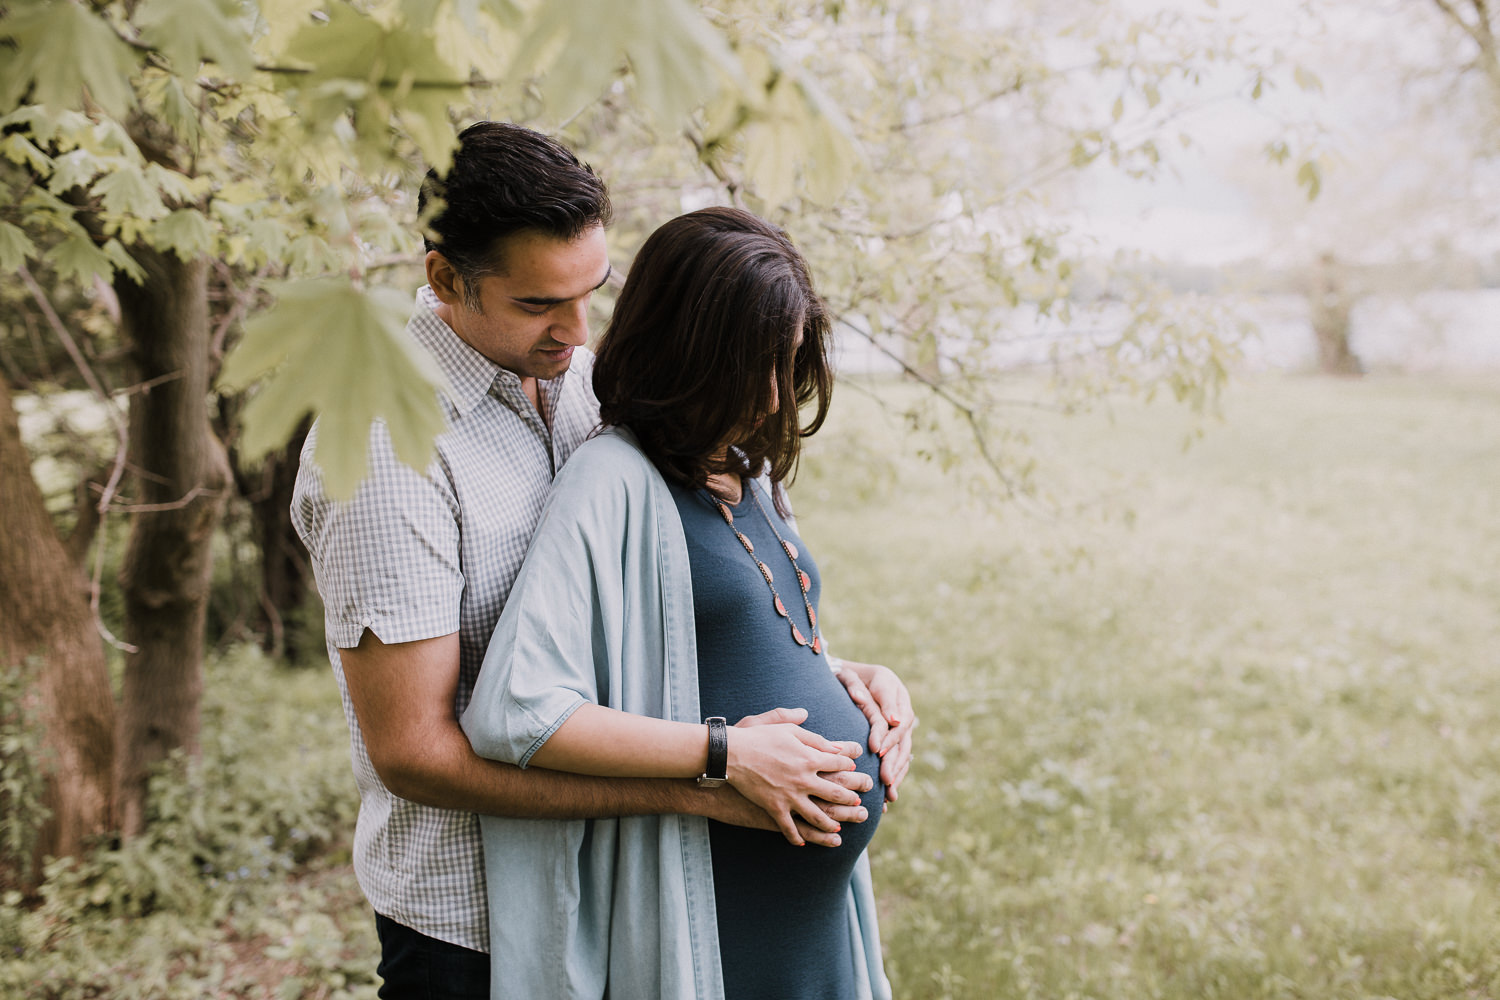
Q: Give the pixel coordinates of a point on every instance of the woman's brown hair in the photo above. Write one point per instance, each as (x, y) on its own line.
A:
(707, 321)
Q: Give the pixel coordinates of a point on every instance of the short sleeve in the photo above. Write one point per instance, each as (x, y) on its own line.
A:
(388, 559)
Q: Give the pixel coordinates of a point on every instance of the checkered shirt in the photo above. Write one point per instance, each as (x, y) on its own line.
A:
(414, 556)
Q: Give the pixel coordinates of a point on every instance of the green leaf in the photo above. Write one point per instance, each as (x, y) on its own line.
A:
(190, 32)
(15, 247)
(380, 71)
(186, 233)
(75, 169)
(259, 242)
(179, 187)
(126, 192)
(63, 49)
(124, 262)
(1310, 176)
(177, 109)
(310, 255)
(677, 58)
(18, 149)
(1306, 78)
(77, 258)
(343, 354)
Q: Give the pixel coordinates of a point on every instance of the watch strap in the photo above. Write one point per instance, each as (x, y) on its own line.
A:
(717, 771)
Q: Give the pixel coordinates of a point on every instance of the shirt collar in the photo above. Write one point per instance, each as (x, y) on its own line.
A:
(471, 375)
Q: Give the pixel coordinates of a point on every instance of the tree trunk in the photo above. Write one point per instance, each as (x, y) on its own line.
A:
(1329, 301)
(45, 614)
(181, 475)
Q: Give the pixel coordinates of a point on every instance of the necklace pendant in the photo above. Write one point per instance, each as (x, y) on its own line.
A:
(817, 644)
(780, 608)
(747, 543)
(724, 509)
(798, 637)
(812, 617)
(765, 570)
(805, 580)
(791, 550)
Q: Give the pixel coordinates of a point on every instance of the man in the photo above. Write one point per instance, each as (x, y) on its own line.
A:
(415, 568)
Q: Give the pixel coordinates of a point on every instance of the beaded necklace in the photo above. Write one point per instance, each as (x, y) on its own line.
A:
(803, 580)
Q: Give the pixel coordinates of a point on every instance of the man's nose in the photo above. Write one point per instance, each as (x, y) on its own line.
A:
(572, 326)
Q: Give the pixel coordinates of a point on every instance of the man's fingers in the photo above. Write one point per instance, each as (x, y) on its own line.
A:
(812, 835)
(810, 811)
(795, 716)
(788, 828)
(833, 792)
(845, 814)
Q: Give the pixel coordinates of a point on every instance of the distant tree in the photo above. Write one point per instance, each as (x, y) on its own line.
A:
(1330, 305)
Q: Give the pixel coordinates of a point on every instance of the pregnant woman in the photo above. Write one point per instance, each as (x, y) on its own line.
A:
(666, 580)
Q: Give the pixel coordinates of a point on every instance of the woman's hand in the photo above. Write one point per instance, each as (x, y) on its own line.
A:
(783, 768)
(885, 701)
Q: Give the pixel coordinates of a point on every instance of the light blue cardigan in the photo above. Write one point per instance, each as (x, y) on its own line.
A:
(602, 611)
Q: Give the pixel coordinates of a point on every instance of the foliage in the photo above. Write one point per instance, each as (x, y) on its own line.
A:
(21, 758)
(281, 139)
(187, 908)
(957, 249)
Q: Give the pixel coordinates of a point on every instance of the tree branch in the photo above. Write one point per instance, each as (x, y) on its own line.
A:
(1014, 491)
(122, 434)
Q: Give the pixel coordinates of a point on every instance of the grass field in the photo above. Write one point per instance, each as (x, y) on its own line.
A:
(1233, 730)
(1229, 728)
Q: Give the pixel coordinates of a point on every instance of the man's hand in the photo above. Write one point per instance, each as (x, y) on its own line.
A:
(885, 701)
(740, 811)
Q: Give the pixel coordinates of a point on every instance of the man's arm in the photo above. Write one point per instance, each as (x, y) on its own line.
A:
(403, 696)
(885, 701)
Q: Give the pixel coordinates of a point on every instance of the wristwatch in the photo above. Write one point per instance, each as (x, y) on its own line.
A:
(718, 754)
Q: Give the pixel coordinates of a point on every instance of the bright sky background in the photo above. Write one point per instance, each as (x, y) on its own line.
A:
(1395, 173)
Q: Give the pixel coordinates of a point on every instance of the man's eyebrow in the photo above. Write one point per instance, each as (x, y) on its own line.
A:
(539, 300)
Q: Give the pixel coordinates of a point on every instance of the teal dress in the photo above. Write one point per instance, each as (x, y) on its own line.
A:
(781, 908)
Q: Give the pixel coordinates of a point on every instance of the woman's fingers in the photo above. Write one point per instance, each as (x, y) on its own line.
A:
(893, 784)
(865, 702)
(795, 716)
(847, 748)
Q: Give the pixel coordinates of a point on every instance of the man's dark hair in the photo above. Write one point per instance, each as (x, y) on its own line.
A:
(507, 179)
(708, 316)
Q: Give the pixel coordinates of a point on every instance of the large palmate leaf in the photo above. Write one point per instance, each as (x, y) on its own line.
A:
(329, 348)
(189, 32)
(679, 61)
(358, 62)
(61, 50)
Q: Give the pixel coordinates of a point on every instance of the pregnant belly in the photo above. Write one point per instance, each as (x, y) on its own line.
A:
(811, 868)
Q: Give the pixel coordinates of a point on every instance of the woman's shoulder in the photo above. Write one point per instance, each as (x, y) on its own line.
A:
(608, 465)
(609, 452)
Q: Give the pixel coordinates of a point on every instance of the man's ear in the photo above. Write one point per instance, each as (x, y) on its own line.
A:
(445, 282)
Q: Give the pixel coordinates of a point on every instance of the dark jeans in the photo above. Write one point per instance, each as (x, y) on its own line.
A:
(417, 967)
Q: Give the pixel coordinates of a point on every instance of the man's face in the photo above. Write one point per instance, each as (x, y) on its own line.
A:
(535, 312)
